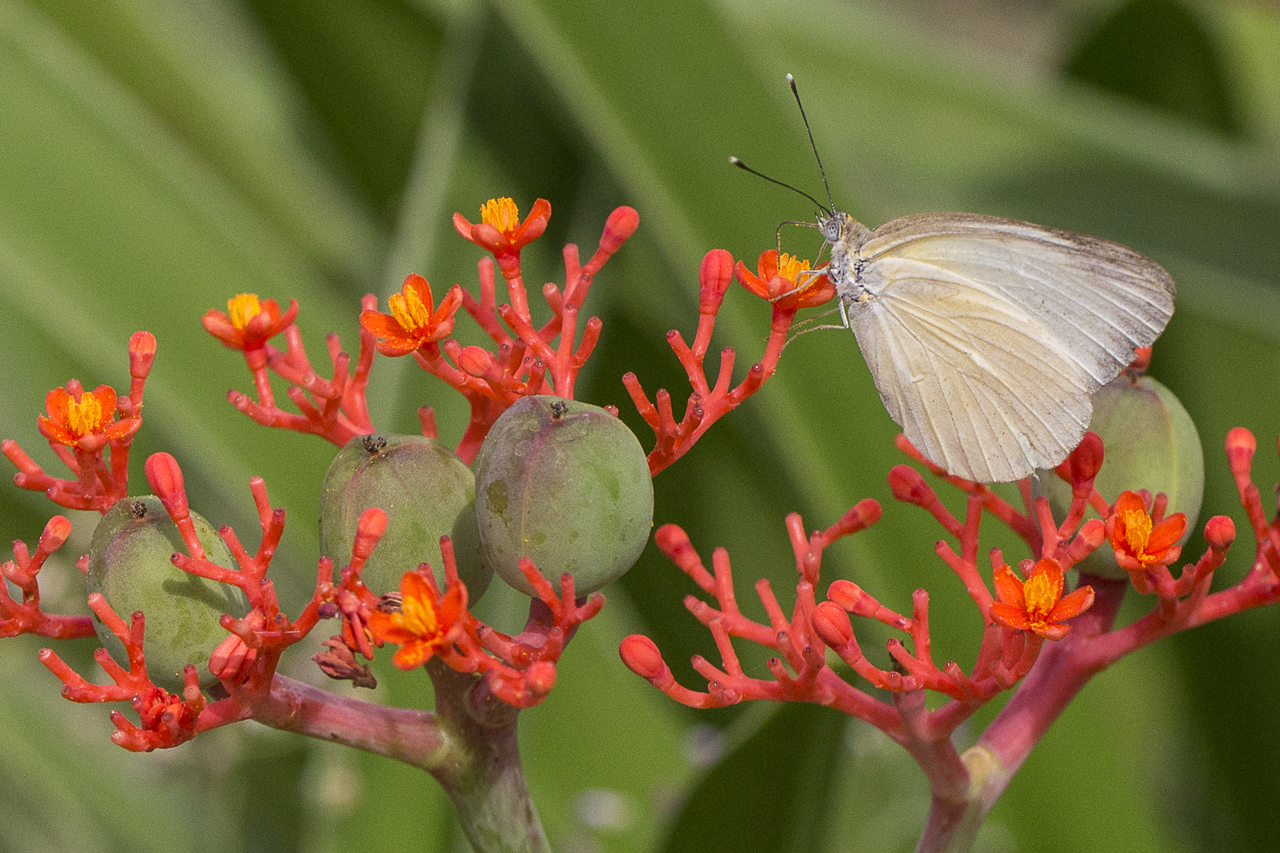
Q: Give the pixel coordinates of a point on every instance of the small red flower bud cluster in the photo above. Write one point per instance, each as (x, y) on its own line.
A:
(165, 720)
(525, 360)
(246, 662)
(430, 625)
(789, 285)
(1019, 618)
(25, 616)
(91, 432)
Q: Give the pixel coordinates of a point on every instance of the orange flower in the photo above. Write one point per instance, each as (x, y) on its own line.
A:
(501, 232)
(787, 282)
(1037, 604)
(249, 323)
(84, 422)
(414, 320)
(1141, 541)
(426, 623)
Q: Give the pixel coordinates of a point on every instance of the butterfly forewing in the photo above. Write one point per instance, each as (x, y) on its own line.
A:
(986, 336)
(1101, 299)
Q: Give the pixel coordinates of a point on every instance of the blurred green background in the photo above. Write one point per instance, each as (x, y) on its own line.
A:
(159, 156)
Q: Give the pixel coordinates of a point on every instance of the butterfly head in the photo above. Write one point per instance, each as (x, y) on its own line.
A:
(845, 236)
(840, 229)
(831, 224)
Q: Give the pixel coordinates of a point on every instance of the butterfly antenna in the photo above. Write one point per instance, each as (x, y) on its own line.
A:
(791, 81)
(744, 167)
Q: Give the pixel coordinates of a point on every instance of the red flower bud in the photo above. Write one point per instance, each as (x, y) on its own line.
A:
(832, 624)
(641, 656)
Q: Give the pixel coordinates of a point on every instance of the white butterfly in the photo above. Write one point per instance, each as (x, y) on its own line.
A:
(987, 336)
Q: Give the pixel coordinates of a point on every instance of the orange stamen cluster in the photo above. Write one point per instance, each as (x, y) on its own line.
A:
(249, 322)
(426, 623)
(414, 321)
(786, 281)
(1142, 540)
(85, 421)
(502, 233)
(1037, 603)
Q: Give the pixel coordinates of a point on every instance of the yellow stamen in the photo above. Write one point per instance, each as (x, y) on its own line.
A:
(1041, 595)
(1137, 530)
(789, 267)
(501, 213)
(242, 308)
(410, 311)
(85, 415)
(419, 616)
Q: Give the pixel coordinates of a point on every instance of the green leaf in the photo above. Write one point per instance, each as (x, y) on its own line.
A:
(1160, 53)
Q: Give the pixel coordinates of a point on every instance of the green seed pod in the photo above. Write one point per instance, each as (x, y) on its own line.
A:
(129, 564)
(426, 491)
(567, 485)
(1151, 443)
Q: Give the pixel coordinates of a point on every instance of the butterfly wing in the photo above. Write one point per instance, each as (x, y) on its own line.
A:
(1100, 299)
(987, 336)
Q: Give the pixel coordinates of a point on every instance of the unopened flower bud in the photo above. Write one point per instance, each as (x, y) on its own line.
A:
(641, 656)
(567, 485)
(832, 624)
(1151, 443)
(426, 492)
(129, 565)
(909, 486)
(1220, 532)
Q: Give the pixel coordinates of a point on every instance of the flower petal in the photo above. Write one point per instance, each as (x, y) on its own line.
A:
(413, 655)
(1009, 588)
(1072, 604)
(1167, 533)
(1052, 632)
(1009, 616)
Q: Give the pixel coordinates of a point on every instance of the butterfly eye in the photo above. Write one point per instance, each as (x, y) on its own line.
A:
(830, 226)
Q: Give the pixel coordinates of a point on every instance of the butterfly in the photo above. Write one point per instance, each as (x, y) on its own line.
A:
(985, 336)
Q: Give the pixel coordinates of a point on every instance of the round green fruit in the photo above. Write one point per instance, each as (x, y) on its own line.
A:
(129, 565)
(567, 485)
(425, 490)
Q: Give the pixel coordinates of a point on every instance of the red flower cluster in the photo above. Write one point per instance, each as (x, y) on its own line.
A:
(501, 233)
(84, 421)
(414, 321)
(786, 281)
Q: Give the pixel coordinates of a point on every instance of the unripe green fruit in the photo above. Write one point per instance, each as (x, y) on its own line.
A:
(1150, 443)
(425, 490)
(567, 485)
(129, 564)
